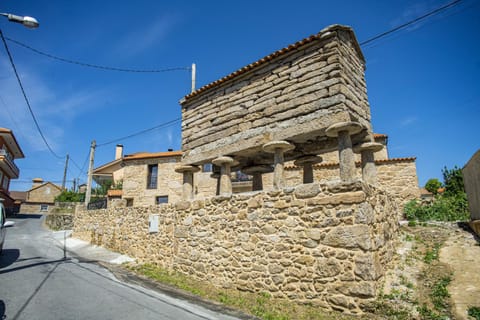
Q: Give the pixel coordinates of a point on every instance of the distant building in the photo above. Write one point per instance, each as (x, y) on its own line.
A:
(9, 151)
(41, 197)
(19, 197)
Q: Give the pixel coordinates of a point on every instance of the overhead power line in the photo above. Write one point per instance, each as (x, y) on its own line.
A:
(26, 98)
(96, 66)
(431, 13)
(162, 125)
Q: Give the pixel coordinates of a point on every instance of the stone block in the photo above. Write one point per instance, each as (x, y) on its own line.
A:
(309, 190)
(275, 268)
(182, 205)
(357, 236)
(181, 232)
(368, 267)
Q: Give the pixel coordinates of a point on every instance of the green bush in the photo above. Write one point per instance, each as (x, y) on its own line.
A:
(443, 208)
(474, 312)
(452, 205)
(70, 196)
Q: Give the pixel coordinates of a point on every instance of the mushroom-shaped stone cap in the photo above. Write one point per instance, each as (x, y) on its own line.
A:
(186, 168)
(257, 169)
(271, 146)
(370, 146)
(308, 159)
(351, 127)
(223, 160)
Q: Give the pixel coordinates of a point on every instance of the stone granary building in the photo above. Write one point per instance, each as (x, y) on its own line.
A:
(297, 104)
(326, 242)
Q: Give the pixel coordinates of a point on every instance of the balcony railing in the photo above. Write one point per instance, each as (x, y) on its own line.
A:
(9, 160)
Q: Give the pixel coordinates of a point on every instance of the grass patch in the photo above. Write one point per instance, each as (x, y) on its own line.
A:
(261, 305)
(474, 312)
(431, 254)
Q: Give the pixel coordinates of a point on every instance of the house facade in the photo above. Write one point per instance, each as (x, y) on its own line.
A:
(9, 151)
(111, 171)
(147, 178)
(41, 197)
(150, 178)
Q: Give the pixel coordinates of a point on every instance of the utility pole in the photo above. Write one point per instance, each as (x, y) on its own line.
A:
(194, 75)
(90, 173)
(65, 173)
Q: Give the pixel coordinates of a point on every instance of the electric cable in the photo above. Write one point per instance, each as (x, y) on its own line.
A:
(26, 98)
(91, 65)
(162, 125)
(433, 12)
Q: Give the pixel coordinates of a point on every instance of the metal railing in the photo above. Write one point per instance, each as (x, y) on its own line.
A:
(9, 159)
(98, 204)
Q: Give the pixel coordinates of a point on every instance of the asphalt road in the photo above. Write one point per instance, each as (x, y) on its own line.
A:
(37, 282)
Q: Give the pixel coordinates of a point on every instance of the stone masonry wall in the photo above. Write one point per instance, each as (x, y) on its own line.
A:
(399, 177)
(326, 244)
(33, 208)
(296, 92)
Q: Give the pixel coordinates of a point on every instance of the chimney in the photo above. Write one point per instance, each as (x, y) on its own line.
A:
(36, 182)
(118, 151)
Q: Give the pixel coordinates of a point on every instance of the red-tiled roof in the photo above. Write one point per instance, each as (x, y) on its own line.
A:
(149, 155)
(325, 33)
(44, 184)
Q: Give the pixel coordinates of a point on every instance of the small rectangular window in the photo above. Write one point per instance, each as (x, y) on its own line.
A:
(207, 167)
(6, 180)
(152, 176)
(44, 207)
(129, 202)
(161, 199)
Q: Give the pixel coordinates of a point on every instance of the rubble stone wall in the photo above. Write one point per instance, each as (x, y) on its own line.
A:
(326, 244)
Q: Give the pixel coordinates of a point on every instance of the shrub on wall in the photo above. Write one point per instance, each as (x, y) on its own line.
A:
(452, 205)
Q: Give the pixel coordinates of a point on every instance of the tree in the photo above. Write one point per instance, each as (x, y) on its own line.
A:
(433, 185)
(453, 181)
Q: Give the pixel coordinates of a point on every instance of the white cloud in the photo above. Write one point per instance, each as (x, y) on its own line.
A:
(144, 38)
(408, 121)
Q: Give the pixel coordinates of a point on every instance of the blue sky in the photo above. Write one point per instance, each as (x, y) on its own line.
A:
(422, 81)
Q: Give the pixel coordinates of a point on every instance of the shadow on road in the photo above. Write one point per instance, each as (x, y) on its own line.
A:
(466, 227)
(34, 265)
(2, 310)
(25, 216)
(8, 257)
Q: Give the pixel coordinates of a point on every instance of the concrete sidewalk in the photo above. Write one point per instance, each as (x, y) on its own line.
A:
(86, 252)
(83, 250)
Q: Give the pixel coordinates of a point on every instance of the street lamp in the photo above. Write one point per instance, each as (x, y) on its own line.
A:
(27, 21)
